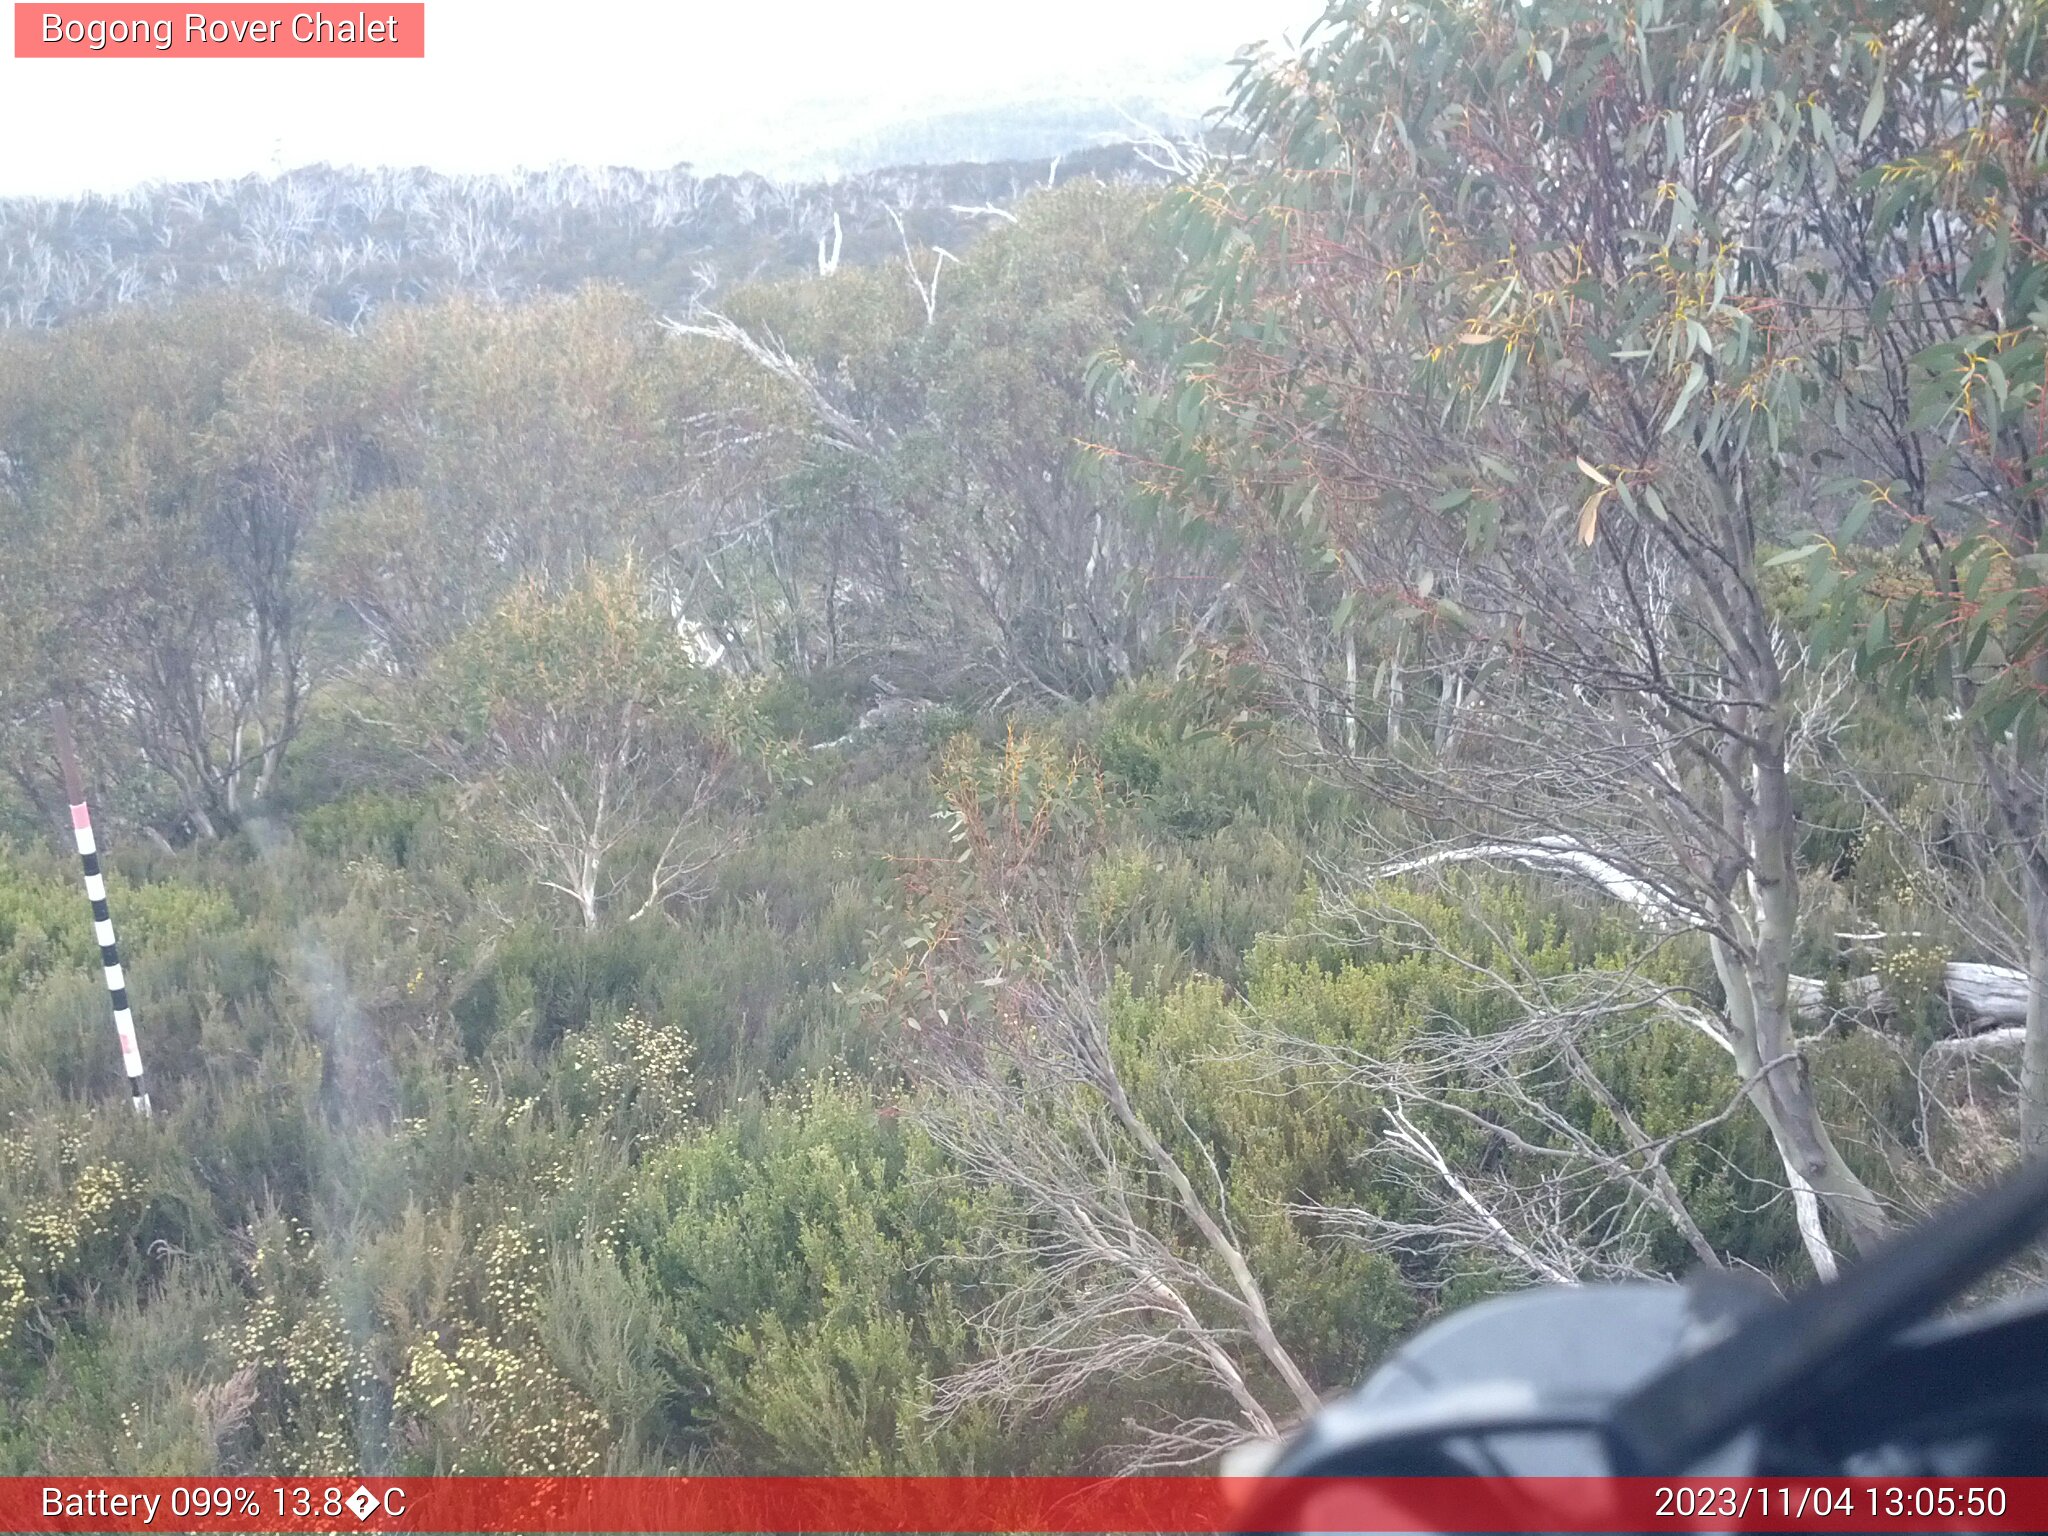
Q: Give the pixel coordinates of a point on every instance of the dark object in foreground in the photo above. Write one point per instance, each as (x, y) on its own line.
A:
(1719, 1377)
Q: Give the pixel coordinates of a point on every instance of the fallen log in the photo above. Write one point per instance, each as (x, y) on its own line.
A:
(1979, 997)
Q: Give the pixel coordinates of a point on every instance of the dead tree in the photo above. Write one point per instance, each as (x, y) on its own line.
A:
(1554, 1194)
(1135, 1268)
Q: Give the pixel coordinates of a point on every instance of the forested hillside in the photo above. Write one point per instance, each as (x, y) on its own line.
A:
(1017, 858)
(339, 243)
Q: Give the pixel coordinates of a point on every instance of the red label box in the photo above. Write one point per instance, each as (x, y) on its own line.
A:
(225, 31)
(1007, 1506)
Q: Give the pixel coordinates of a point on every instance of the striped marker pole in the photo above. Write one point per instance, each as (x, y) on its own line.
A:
(102, 923)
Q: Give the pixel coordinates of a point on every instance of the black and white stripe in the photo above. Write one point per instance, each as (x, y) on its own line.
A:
(102, 919)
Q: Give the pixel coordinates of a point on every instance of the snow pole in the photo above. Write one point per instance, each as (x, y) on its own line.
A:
(102, 923)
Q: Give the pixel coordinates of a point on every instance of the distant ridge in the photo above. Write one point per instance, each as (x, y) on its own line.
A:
(341, 242)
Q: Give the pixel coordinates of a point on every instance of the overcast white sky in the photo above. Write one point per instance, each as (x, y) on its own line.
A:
(725, 84)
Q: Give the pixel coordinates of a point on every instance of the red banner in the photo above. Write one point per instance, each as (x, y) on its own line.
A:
(1020, 1504)
(225, 31)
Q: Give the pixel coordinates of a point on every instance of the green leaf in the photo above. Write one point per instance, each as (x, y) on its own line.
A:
(1695, 378)
(1975, 574)
(1853, 523)
(1794, 556)
(1872, 111)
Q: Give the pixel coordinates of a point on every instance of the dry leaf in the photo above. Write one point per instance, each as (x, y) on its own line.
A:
(1589, 517)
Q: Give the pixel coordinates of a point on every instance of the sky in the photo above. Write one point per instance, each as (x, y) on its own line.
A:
(722, 84)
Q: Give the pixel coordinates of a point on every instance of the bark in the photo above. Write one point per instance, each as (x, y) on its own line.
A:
(1784, 1090)
(1783, 1095)
(2034, 1052)
(2019, 797)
